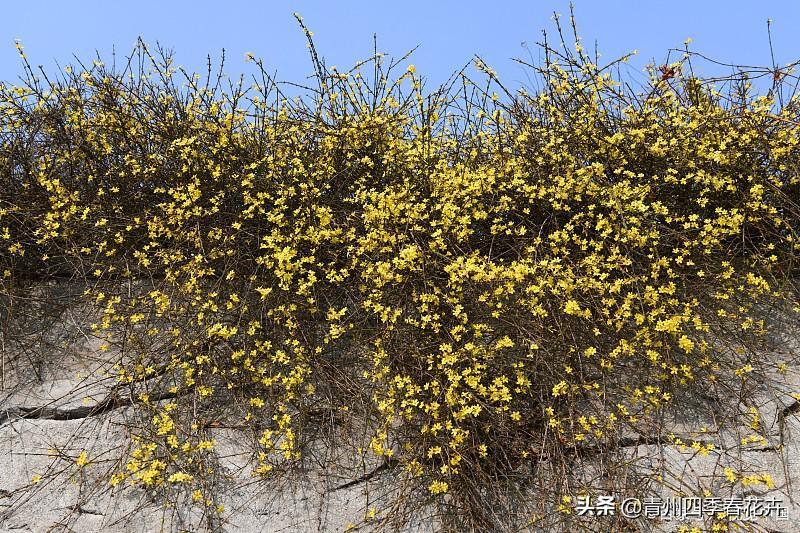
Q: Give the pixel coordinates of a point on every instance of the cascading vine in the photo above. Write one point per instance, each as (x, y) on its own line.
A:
(482, 285)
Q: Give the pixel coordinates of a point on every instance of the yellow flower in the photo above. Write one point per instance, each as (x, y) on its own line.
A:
(560, 388)
(686, 343)
(180, 477)
(438, 487)
(572, 308)
(82, 460)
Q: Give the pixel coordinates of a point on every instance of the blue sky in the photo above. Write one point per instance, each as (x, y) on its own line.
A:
(448, 32)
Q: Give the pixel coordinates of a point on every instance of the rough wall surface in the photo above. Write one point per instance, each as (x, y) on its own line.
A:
(54, 406)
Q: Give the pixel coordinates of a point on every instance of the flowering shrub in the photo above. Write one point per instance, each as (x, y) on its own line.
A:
(474, 289)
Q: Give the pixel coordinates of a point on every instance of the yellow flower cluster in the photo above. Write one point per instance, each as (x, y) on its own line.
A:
(482, 282)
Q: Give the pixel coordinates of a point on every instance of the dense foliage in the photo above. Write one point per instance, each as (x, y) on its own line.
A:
(471, 288)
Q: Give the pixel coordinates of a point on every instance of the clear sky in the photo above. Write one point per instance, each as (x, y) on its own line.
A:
(448, 32)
